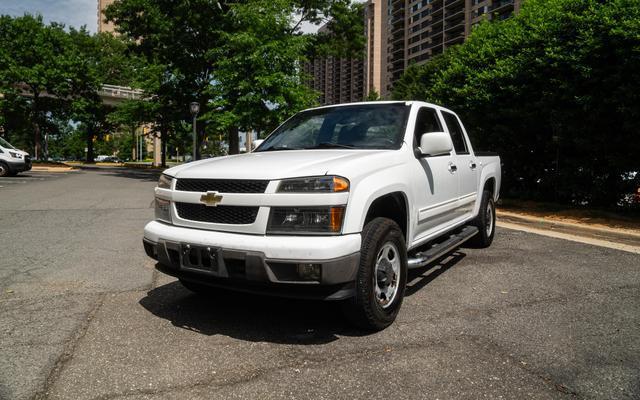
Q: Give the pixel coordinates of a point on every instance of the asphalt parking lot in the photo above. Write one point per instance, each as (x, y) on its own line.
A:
(31, 177)
(84, 315)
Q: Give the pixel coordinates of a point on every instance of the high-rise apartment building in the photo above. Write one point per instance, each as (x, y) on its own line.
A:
(402, 32)
(104, 26)
(375, 65)
(339, 80)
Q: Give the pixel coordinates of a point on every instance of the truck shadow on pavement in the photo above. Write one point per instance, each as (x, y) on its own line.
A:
(421, 277)
(249, 317)
(258, 318)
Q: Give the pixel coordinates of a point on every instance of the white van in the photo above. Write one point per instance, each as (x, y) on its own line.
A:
(12, 160)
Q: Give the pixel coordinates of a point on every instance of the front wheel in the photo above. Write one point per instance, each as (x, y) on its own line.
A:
(4, 170)
(485, 222)
(381, 278)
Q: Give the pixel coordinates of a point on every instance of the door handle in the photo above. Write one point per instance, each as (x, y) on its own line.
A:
(452, 168)
(472, 165)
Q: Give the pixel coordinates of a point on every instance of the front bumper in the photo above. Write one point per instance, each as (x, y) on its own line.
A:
(20, 166)
(258, 263)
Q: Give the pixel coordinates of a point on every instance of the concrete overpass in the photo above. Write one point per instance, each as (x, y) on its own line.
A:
(110, 94)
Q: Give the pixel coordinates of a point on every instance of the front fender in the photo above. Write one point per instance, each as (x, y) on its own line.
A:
(372, 187)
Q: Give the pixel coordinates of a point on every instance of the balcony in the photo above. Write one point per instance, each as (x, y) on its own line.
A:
(501, 5)
(454, 5)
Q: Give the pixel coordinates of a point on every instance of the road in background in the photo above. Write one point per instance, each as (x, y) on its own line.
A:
(83, 315)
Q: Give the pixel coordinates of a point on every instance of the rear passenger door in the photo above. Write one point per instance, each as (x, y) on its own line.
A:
(466, 164)
(436, 184)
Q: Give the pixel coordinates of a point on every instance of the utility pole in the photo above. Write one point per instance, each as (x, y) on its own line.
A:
(195, 109)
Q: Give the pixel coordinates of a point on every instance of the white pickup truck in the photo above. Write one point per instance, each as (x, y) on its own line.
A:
(336, 204)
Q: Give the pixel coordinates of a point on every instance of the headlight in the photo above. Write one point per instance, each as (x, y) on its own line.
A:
(314, 184)
(306, 220)
(165, 181)
(163, 210)
(15, 155)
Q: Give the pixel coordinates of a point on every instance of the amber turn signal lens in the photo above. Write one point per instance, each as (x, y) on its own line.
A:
(340, 184)
(336, 215)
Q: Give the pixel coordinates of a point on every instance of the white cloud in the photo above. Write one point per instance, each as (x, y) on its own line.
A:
(69, 12)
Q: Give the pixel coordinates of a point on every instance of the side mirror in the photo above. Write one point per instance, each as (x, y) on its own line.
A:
(435, 144)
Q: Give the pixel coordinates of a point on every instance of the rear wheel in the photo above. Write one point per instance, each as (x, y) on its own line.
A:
(485, 222)
(381, 278)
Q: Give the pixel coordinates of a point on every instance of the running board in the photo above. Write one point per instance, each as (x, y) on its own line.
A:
(438, 250)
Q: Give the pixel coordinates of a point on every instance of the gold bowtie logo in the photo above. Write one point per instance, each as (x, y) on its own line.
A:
(211, 199)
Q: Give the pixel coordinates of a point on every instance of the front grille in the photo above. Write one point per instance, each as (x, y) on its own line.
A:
(222, 185)
(217, 215)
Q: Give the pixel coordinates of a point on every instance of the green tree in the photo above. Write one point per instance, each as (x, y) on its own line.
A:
(556, 90)
(34, 63)
(258, 83)
(190, 45)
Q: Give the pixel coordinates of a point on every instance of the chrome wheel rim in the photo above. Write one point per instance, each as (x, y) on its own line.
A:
(3, 171)
(386, 274)
(489, 218)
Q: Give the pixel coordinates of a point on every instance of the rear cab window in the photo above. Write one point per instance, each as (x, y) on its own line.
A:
(456, 133)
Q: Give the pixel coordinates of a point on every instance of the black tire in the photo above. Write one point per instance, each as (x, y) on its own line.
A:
(4, 169)
(367, 309)
(485, 222)
(197, 288)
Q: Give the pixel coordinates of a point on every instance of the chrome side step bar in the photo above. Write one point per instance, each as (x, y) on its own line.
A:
(438, 250)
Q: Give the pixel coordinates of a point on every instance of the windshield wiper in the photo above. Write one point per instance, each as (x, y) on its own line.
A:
(277, 148)
(327, 145)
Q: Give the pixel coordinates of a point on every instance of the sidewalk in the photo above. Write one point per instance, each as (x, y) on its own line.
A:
(51, 168)
(600, 234)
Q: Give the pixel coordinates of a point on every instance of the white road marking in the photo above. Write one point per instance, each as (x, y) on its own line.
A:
(573, 238)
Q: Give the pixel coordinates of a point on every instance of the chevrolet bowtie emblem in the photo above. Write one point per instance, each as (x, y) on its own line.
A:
(211, 199)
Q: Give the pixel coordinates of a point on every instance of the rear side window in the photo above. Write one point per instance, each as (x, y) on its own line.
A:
(427, 121)
(455, 130)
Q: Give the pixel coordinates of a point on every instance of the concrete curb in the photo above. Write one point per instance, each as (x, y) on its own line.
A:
(568, 224)
(598, 235)
(52, 169)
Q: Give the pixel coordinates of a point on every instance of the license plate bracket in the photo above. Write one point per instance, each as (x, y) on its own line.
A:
(202, 258)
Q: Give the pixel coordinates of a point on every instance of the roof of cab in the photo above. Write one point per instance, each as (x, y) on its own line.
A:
(407, 102)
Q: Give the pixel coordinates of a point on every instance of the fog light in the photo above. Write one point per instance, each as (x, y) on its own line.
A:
(309, 272)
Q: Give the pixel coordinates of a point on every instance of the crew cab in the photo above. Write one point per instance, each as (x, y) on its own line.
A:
(12, 160)
(336, 204)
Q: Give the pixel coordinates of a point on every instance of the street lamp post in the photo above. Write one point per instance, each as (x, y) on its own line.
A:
(195, 109)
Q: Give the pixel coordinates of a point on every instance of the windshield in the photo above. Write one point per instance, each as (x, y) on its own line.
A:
(6, 144)
(363, 126)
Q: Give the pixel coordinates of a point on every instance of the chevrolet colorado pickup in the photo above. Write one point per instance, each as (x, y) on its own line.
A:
(336, 204)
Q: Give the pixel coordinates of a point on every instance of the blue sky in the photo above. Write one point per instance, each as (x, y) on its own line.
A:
(70, 12)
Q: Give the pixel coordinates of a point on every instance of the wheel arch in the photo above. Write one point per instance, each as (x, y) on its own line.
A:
(392, 205)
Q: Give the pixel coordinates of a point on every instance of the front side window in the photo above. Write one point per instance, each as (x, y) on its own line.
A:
(427, 121)
(362, 126)
(455, 130)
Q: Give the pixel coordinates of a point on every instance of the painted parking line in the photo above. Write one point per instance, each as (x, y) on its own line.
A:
(573, 238)
(22, 179)
(32, 177)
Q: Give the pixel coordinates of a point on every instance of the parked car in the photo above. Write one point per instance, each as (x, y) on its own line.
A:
(336, 204)
(12, 160)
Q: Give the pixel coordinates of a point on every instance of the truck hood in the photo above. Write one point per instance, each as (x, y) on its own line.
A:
(282, 164)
